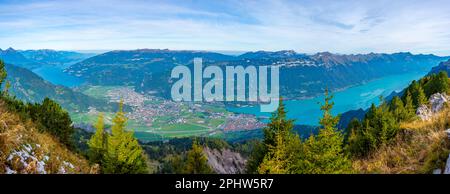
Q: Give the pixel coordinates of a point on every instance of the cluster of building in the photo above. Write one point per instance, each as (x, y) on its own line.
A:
(147, 110)
(242, 122)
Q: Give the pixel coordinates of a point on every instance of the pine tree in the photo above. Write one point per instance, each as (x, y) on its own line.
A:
(54, 119)
(324, 153)
(7, 87)
(417, 93)
(98, 142)
(356, 144)
(276, 160)
(389, 125)
(196, 162)
(398, 109)
(421, 97)
(379, 126)
(443, 82)
(2, 72)
(279, 126)
(409, 107)
(124, 154)
(257, 155)
(435, 83)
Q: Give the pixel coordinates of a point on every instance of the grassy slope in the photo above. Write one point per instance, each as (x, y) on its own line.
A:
(420, 147)
(25, 150)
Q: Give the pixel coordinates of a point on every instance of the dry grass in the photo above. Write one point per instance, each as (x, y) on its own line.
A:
(420, 147)
(19, 137)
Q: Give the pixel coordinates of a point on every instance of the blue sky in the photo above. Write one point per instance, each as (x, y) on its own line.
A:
(304, 26)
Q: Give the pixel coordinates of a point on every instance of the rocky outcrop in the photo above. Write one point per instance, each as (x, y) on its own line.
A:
(437, 171)
(26, 150)
(448, 133)
(447, 166)
(225, 161)
(437, 102)
(424, 113)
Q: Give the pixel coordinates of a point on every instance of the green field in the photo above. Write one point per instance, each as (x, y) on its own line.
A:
(99, 92)
(163, 126)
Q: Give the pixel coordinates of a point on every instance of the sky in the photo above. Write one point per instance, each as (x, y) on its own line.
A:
(342, 26)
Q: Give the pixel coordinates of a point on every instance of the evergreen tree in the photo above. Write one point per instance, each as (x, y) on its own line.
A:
(356, 143)
(279, 126)
(124, 154)
(384, 124)
(2, 72)
(409, 107)
(324, 154)
(417, 93)
(98, 142)
(7, 87)
(196, 162)
(421, 97)
(443, 82)
(256, 157)
(379, 126)
(280, 157)
(436, 83)
(53, 119)
(398, 109)
(276, 160)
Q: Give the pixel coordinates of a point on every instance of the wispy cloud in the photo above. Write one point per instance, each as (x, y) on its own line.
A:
(305, 26)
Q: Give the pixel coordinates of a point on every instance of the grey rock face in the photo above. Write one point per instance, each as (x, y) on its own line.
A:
(447, 166)
(424, 112)
(437, 171)
(225, 161)
(437, 102)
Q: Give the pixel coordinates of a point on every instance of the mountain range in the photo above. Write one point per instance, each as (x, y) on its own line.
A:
(443, 66)
(52, 57)
(28, 86)
(148, 70)
(32, 59)
(301, 76)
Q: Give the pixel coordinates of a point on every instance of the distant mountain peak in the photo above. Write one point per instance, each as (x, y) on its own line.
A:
(271, 54)
(10, 49)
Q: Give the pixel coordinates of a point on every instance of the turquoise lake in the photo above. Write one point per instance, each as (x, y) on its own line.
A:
(308, 111)
(55, 75)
